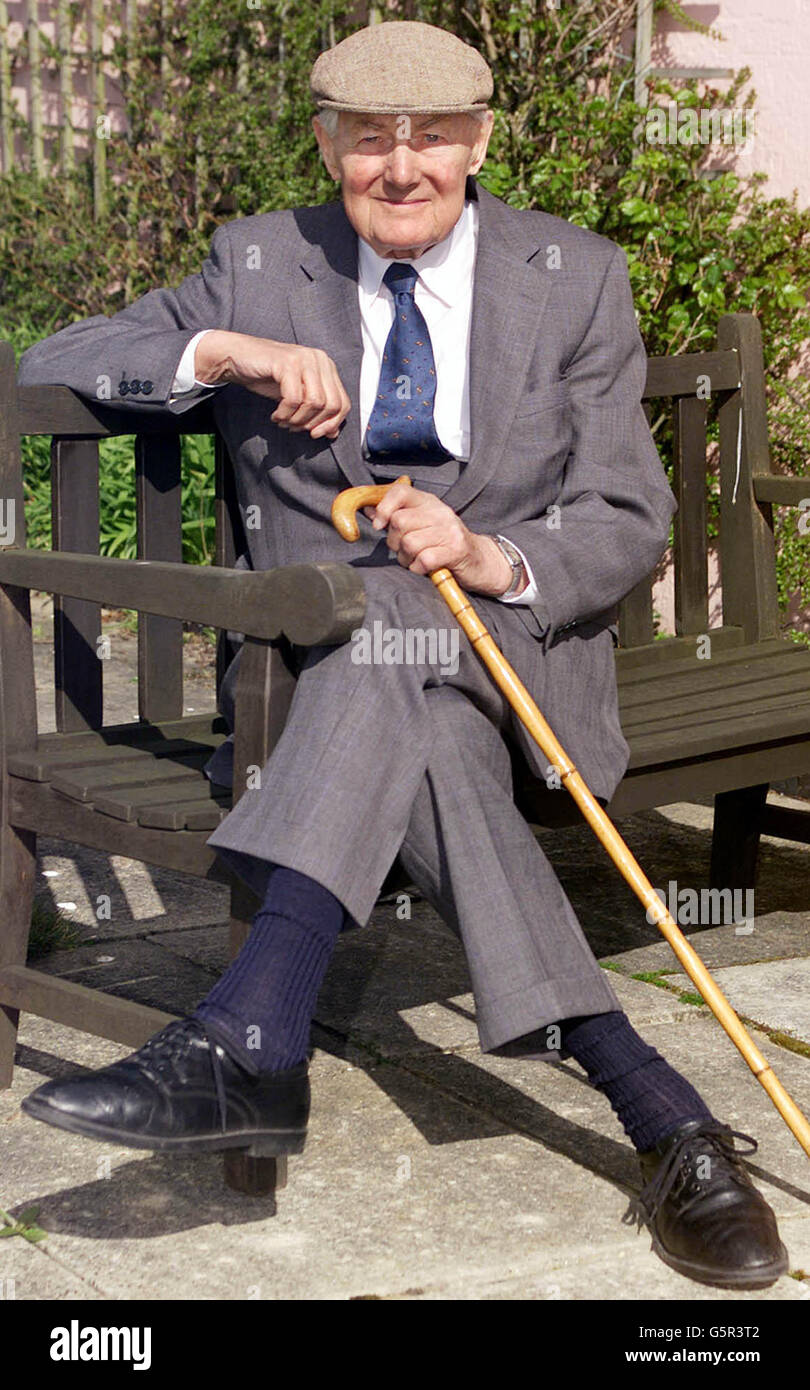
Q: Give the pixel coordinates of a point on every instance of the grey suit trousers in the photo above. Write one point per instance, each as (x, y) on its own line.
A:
(377, 760)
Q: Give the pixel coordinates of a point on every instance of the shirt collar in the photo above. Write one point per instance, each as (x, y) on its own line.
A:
(446, 269)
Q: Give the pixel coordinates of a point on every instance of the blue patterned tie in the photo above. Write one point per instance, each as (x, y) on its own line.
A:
(401, 425)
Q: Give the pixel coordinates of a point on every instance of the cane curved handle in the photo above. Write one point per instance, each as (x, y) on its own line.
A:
(351, 499)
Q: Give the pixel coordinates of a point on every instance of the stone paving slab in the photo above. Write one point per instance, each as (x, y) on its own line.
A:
(433, 1176)
(671, 842)
(774, 937)
(775, 994)
(613, 1277)
(33, 1272)
(449, 1024)
(135, 969)
(142, 897)
(379, 1201)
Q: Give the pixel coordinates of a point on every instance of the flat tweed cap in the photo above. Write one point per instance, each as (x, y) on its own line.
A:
(401, 66)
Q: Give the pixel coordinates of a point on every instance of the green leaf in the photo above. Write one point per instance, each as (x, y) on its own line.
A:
(34, 1234)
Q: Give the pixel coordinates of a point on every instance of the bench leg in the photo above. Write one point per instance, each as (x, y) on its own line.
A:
(255, 1177)
(18, 862)
(738, 819)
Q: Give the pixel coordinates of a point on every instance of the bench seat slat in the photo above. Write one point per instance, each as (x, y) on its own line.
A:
(127, 802)
(667, 651)
(668, 722)
(705, 694)
(755, 729)
(34, 806)
(84, 784)
(193, 815)
(40, 767)
(680, 677)
(190, 726)
(631, 674)
(789, 702)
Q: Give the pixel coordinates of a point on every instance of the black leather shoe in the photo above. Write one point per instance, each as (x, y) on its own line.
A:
(707, 1219)
(182, 1093)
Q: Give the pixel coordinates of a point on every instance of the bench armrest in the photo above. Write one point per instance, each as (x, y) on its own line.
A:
(311, 604)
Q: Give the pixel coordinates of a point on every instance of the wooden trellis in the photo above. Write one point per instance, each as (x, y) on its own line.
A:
(78, 43)
(78, 47)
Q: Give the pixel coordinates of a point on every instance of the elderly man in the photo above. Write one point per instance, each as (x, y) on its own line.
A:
(417, 326)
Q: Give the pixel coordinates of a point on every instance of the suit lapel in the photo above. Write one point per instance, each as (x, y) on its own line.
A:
(509, 301)
(326, 314)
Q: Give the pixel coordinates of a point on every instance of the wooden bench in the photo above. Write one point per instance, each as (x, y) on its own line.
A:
(726, 726)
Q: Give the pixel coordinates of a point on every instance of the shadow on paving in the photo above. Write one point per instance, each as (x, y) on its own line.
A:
(159, 1195)
(612, 917)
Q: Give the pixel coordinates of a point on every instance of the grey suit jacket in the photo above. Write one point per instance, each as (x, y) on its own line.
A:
(562, 460)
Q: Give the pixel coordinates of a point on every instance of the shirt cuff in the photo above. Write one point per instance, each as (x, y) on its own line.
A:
(184, 378)
(529, 594)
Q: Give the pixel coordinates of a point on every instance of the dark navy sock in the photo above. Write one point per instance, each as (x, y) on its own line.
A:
(649, 1097)
(261, 1008)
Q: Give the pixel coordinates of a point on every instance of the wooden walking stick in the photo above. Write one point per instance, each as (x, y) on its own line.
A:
(344, 508)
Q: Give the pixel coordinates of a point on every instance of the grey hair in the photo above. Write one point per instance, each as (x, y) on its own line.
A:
(328, 117)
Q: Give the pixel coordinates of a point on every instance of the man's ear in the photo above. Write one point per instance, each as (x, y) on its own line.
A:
(327, 149)
(479, 149)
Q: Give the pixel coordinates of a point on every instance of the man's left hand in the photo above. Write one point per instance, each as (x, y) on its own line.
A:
(426, 535)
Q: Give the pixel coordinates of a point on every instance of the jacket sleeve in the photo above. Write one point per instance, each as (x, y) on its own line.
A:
(610, 522)
(142, 344)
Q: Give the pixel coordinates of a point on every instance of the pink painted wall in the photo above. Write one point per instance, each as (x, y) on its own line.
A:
(772, 37)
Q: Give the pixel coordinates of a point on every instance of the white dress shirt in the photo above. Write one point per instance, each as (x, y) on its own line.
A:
(443, 293)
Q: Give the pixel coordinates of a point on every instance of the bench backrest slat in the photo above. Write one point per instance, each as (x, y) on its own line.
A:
(636, 626)
(690, 540)
(18, 710)
(747, 553)
(230, 539)
(160, 537)
(78, 669)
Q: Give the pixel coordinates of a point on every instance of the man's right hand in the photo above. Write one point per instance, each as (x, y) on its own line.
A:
(303, 380)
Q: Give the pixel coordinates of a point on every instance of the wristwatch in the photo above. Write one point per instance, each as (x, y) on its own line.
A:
(515, 559)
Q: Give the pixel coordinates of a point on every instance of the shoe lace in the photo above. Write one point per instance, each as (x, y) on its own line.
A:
(644, 1207)
(161, 1051)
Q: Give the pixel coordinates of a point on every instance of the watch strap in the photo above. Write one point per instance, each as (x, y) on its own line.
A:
(515, 559)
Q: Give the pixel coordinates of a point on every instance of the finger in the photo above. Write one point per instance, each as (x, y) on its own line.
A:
(312, 407)
(415, 543)
(292, 394)
(430, 559)
(303, 396)
(341, 394)
(425, 563)
(338, 403)
(427, 517)
(332, 400)
(398, 495)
